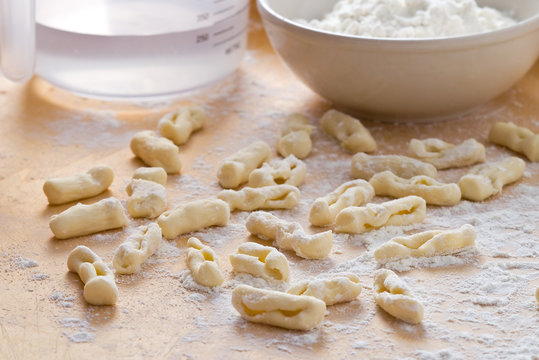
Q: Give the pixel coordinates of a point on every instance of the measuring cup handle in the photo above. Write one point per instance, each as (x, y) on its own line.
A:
(17, 39)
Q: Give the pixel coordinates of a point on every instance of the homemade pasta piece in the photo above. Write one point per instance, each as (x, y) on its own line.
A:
(394, 296)
(289, 235)
(178, 125)
(235, 169)
(403, 211)
(98, 279)
(193, 216)
(435, 193)
(289, 171)
(148, 199)
(267, 197)
(138, 247)
(202, 262)
(83, 219)
(295, 137)
(278, 308)
(364, 166)
(516, 138)
(444, 155)
(156, 151)
(426, 244)
(337, 288)
(486, 180)
(263, 261)
(155, 174)
(351, 193)
(66, 189)
(354, 137)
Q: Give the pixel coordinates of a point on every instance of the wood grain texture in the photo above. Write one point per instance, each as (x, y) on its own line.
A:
(47, 132)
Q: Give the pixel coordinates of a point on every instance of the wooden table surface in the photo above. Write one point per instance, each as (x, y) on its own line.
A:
(47, 132)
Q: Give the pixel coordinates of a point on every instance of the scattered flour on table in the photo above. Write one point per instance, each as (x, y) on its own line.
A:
(410, 18)
(19, 262)
(82, 330)
(61, 299)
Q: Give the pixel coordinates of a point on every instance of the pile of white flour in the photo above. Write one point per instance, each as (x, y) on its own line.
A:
(410, 18)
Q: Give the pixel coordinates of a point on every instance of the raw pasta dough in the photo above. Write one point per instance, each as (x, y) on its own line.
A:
(138, 247)
(488, 179)
(289, 235)
(83, 219)
(235, 169)
(267, 197)
(193, 216)
(264, 261)
(295, 137)
(349, 131)
(148, 199)
(352, 193)
(278, 308)
(364, 166)
(444, 155)
(156, 151)
(516, 138)
(392, 295)
(80, 186)
(178, 125)
(427, 243)
(436, 193)
(289, 171)
(403, 211)
(334, 289)
(202, 263)
(98, 279)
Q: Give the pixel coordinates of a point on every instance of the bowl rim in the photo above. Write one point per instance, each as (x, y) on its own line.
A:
(519, 29)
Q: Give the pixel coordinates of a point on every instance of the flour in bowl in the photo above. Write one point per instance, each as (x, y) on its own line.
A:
(410, 18)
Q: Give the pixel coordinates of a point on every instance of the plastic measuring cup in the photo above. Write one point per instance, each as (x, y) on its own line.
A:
(137, 48)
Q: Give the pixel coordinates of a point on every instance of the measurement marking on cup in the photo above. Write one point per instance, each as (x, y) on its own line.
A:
(242, 10)
(239, 33)
(223, 31)
(222, 11)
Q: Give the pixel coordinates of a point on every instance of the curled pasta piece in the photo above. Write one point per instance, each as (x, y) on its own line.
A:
(98, 279)
(148, 199)
(83, 219)
(334, 289)
(138, 247)
(193, 216)
(349, 131)
(289, 171)
(403, 211)
(295, 137)
(444, 155)
(426, 244)
(263, 261)
(66, 189)
(394, 296)
(289, 235)
(202, 262)
(235, 169)
(516, 138)
(267, 197)
(364, 166)
(351, 193)
(180, 124)
(486, 180)
(278, 308)
(156, 151)
(436, 193)
(155, 174)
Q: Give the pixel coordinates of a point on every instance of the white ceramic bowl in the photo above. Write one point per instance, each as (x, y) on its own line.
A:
(403, 79)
